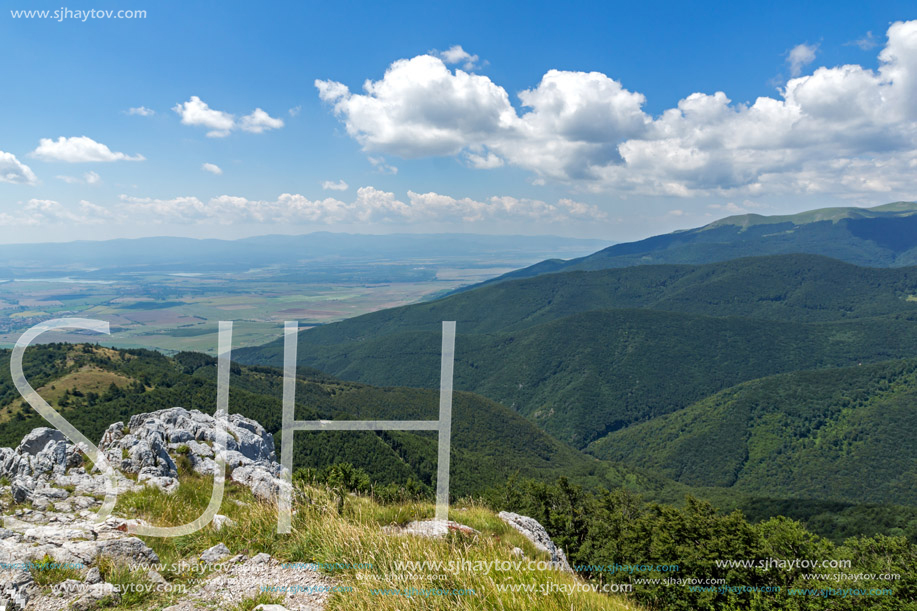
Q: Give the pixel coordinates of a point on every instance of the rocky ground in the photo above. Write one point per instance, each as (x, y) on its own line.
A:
(59, 498)
(301, 588)
(50, 496)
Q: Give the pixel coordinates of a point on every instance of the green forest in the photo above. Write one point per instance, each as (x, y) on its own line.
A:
(686, 414)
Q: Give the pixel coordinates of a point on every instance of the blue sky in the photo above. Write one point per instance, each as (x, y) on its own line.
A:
(564, 118)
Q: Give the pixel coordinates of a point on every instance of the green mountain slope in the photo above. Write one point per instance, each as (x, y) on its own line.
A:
(492, 445)
(842, 434)
(785, 287)
(94, 387)
(553, 349)
(884, 236)
(585, 375)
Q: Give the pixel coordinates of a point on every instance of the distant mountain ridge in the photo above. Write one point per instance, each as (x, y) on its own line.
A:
(320, 248)
(883, 236)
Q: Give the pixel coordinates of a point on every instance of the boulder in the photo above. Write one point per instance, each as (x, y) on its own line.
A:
(127, 548)
(155, 577)
(260, 479)
(215, 553)
(535, 532)
(35, 441)
(94, 575)
(22, 488)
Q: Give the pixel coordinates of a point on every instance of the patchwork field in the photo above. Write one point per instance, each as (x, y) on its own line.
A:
(170, 293)
(173, 312)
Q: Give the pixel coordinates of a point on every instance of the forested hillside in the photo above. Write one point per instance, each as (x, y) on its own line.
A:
(94, 386)
(490, 442)
(884, 236)
(841, 434)
(764, 377)
(800, 288)
(562, 350)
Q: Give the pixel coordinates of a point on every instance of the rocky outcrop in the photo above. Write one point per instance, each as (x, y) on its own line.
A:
(48, 475)
(31, 536)
(66, 539)
(15, 588)
(535, 532)
(42, 453)
(46, 470)
(151, 443)
(46, 467)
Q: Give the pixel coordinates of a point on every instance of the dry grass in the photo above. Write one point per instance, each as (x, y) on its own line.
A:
(86, 379)
(357, 537)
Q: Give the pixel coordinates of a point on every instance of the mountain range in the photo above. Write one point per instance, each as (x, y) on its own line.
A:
(768, 375)
(778, 384)
(883, 236)
(586, 353)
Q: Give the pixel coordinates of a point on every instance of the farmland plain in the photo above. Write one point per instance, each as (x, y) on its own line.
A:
(172, 300)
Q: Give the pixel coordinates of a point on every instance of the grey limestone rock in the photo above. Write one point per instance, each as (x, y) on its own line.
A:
(535, 532)
(215, 553)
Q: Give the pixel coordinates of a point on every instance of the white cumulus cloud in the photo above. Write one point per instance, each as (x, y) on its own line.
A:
(457, 55)
(844, 131)
(212, 168)
(81, 149)
(178, 210)
(37, 212)
(434, 206)
(370, 205)
(196, 112)
(486, 161)
(421, 108)
(259, 121)
(14, 171)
